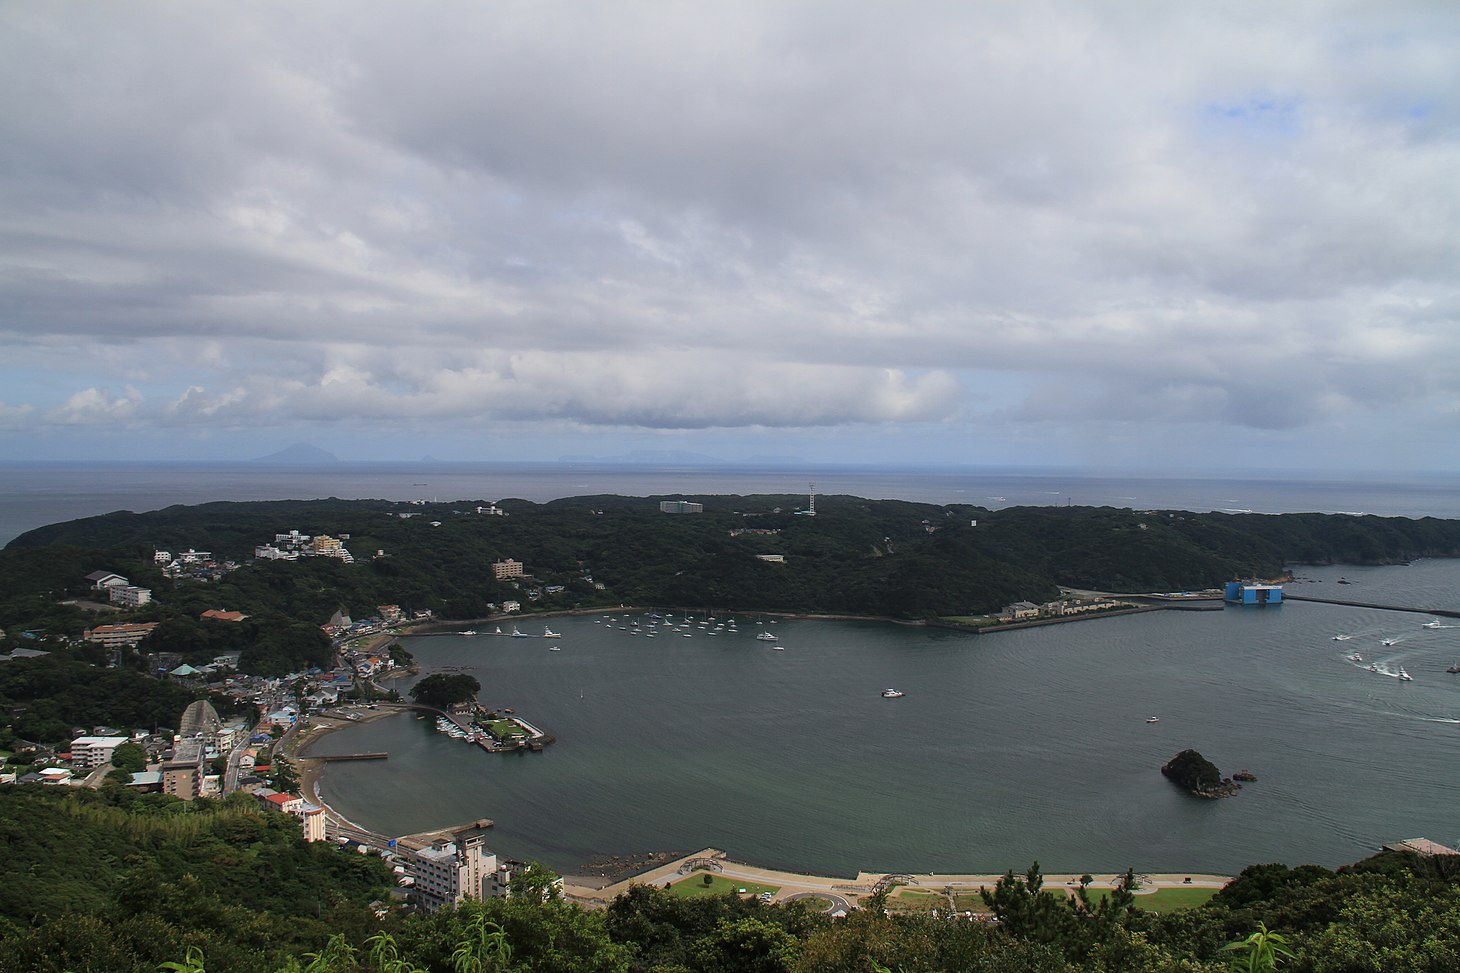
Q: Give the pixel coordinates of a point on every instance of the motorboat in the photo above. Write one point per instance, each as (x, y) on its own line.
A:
(1433, 623)
(1153, 719)
(1387, 641)
(1454, 668)
(1356, 658)
(1404, 676)
(555, 648)
(518, 634)
(1342, 638)
(1373, 667)
(766, 636)
(886, 693)
(470, 631)
(548, 633)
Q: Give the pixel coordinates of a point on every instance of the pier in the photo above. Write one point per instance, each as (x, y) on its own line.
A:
(331, 758)
(1438, 612)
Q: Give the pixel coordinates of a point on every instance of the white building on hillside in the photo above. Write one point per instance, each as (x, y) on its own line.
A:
(89, 753)
(446, 873)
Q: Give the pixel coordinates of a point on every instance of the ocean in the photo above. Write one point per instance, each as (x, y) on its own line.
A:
(35, 494)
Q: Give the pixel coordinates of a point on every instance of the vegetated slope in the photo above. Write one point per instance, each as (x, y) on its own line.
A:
(113, 880)
(876, 557)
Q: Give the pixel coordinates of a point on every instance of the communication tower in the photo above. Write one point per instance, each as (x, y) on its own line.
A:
(811, 502)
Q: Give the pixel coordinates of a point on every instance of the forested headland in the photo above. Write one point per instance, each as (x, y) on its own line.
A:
(884, 558)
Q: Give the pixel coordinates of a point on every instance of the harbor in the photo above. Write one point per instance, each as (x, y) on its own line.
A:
(1032, 746)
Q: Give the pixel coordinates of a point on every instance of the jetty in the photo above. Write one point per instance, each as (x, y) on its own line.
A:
(1440, 612)
(331, 758)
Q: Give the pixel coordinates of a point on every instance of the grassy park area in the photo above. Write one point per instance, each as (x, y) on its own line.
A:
(694, 885)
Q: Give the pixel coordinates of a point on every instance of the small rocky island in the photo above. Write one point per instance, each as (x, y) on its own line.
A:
(1198, 775)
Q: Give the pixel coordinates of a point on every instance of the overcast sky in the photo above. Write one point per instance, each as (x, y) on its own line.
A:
(1151, 235)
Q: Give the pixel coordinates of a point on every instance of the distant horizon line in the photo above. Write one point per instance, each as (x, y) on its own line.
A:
(710, 464)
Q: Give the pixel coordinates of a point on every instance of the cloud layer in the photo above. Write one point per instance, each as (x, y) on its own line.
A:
(1113, 231)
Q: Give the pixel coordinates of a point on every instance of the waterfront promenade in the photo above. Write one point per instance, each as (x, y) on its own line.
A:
(848, 893)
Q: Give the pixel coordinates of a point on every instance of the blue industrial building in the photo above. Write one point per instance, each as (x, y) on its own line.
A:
(1253, 593)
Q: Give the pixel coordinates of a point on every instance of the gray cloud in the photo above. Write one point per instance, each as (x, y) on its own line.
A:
(767, 216)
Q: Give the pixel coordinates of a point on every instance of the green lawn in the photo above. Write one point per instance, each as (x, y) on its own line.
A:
(1164, 900)
(693, 885)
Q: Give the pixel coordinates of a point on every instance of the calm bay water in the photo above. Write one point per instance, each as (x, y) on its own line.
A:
(1006, 749)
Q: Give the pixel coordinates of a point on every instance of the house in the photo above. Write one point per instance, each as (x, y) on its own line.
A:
(1020, 610)
(218, 615)
(284, 803)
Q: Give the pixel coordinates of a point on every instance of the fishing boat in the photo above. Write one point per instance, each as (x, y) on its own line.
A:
(518, 634)
(548, 633)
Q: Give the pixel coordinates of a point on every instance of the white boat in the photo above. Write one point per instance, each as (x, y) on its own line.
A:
(1373, 667)
(1356, 658)
(548, 633)
(470, 631)
(1153, 719)
(518, 635)
(498, 631)
(886, 693)
(555, 648)
(1387, 641)
(766, 637)
(1342, 638)
(1433, 623)
(1404, 676)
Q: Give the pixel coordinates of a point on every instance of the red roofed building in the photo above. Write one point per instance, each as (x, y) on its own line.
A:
(114, 636)
(218, 615)
(288, 803)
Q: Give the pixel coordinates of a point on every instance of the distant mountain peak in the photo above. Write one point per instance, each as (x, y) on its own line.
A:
(299, 453)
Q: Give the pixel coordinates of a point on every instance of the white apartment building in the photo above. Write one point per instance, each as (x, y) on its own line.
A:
(129, 595)
(447, 873)
(89, 753)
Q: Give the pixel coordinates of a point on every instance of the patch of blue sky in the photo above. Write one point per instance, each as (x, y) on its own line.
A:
(1256, 117)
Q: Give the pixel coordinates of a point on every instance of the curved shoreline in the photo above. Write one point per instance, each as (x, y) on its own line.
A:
(599, 890)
